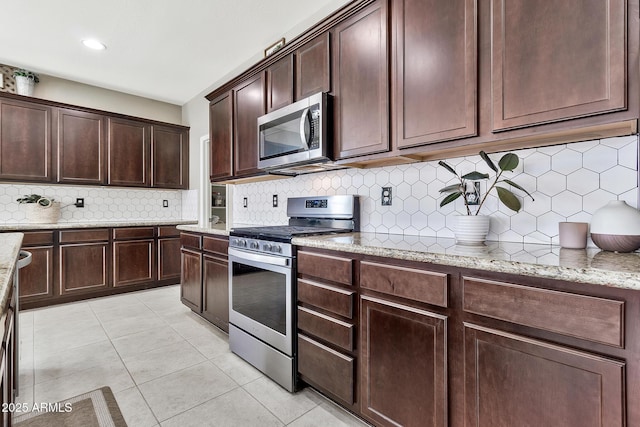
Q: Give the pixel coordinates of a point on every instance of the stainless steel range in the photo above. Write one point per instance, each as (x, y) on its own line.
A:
(262, 273)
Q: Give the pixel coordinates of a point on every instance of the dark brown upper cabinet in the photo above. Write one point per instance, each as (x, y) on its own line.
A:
(25, 141)
(170, 157)
(313, 67)
(557, 61)
(221, 138)
(80, 147)
(361, 83)
(128, 147)
(434, 70)
(279, 78)
(248, 106)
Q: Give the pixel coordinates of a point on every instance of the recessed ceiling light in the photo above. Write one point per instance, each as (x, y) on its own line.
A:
(94, 44)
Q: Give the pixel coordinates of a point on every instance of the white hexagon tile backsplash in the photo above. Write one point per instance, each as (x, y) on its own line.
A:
(101, 203)
(569, 182)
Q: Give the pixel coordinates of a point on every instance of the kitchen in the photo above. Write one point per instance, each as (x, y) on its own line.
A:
(577, 152)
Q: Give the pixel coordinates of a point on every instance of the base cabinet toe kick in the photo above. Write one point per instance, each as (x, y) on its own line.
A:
(414, 344)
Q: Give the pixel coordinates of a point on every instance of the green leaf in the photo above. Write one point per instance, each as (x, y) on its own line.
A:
(489, 162)
(447, 167)
(450, 188)
(475, 176)
(450, 198)
(513, 184)
(509, 162)
(509, 199)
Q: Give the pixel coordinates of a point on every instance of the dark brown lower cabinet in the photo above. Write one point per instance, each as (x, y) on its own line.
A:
(168, 259)
(133, 262)
(403, 362)
(512, 380)
(83, 267)
(36, 279)
(215, 291)
(191, 282)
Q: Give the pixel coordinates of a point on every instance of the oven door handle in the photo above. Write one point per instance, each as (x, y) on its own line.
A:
(265, 259)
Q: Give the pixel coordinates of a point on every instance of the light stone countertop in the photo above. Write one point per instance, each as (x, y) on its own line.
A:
(575, 265)
(9, 249)
(26, 226)
(215, 229)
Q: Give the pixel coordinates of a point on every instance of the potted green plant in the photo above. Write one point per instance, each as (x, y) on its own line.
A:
(472, 228)
(40, 209)
(25, 81)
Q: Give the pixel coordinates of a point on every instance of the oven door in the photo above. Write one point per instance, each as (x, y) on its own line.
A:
(261, 297)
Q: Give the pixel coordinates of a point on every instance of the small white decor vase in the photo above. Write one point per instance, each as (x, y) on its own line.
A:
(24, 85)
(615, 227)
(471, 229)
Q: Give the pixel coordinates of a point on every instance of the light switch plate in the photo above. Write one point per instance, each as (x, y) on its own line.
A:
(386, 196)
(244, 202)
(165, 203)
(275, 200)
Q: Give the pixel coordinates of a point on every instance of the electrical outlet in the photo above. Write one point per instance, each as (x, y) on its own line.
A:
(473, 193)
(386, 196)
(244, 202)
(275, 200)
(79, 202)
(165, 203)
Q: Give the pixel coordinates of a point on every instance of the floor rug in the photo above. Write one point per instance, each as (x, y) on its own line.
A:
(97, 408)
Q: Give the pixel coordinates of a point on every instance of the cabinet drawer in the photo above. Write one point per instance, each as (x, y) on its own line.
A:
(589, 318)
(37, 238)
(217, 246)
(191, 240)
(326, 368)
(133, 233)
(168, 231)
(335, 269)
(419, 285)
(335, 300)
(75, 236)
(329, 329)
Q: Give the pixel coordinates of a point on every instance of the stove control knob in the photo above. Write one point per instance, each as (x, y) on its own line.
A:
(255, 245)
(267, 247)
(276, 248)
(242, 243)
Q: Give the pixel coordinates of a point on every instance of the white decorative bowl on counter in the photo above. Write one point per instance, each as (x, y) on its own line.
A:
(38, 214)
(615, 227)
(471, 229)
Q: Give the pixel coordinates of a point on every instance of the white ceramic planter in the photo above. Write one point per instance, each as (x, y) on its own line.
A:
(471, 229)
(24, 85)
(615, 227)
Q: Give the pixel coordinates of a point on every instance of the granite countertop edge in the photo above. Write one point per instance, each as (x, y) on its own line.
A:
(90, 224)
(9, 250)
(215, 229)
(585, 274)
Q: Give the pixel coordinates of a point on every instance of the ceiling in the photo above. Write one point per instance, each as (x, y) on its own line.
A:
(168, 50)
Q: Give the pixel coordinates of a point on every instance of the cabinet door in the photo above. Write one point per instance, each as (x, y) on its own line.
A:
(435, 70)
(128, 151)
(556, 60)
(403, 365)
(169, 259)
(248, 106)
(517, 381)
(25, 141)
(83, 267)
(36, 279)
(191, 280)
(221, 138)
(215, 288)
(313, 72)
(133, 262)
(81, 147)
(361, 83)
(280, 83)
(170, 154)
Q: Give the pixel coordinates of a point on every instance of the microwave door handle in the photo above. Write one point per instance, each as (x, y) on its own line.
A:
(303, 134)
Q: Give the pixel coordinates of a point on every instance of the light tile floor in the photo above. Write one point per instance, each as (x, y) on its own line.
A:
(165, 365)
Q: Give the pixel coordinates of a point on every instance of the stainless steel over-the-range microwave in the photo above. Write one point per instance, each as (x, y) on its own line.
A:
(294, 135)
